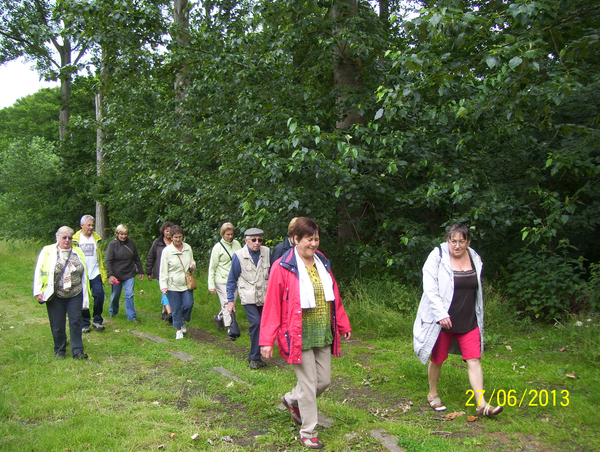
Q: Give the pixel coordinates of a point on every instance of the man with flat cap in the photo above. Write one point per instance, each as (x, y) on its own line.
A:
(249, 274)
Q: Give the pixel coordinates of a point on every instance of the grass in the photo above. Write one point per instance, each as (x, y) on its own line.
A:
(133, 394)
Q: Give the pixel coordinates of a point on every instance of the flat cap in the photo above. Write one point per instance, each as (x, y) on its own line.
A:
(253, 231)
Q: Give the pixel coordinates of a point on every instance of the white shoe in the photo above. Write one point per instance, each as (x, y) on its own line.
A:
(184, 329)
(179, 335)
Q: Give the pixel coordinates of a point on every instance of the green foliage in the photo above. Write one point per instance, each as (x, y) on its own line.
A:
(470, 111)
(45, 186)
(28, 171)
(35, 115)
(546, 284)
(592, 291)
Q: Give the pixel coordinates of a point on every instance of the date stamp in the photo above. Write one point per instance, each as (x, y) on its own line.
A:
(529, 397)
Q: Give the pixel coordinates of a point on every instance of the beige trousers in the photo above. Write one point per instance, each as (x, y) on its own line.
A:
(314, 377)
(222, 293)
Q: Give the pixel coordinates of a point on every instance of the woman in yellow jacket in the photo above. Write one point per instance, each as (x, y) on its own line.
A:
(60, 281)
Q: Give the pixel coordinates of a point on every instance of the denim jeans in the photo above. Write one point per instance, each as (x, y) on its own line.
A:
(116, 293)
(181, 306)
(98, 296)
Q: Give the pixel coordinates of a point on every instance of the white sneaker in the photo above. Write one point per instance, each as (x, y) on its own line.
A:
(184, 329)
(179, 335)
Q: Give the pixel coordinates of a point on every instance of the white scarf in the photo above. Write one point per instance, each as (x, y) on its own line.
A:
(307, 291)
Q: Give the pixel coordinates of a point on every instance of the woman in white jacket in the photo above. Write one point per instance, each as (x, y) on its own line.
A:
(177, 259)
(450, 315)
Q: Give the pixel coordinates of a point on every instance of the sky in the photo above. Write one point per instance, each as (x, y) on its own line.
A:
(17, 80)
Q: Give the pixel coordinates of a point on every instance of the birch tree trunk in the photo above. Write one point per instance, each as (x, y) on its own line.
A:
(181, 19)
(101, 210)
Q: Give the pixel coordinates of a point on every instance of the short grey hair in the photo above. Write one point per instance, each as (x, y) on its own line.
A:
(85, 219)
(64, 230)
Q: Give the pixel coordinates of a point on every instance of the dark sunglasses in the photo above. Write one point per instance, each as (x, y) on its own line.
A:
(255, 239)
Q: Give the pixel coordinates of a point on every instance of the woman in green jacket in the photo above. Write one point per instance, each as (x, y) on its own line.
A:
(218, 271)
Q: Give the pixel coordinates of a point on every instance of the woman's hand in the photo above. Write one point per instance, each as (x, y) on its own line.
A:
(347, 335)
(40, 298)
(149, 277)
(192, 266)
(111, 280)
(446, 323)
(267, 352)
(213, 291)
(141, 277)
(164, 291)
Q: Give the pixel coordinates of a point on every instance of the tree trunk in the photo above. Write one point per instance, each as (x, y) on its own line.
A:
(384, 12)
(181, 19)
(347, 79)
(346, 67)
(101, 210)
(64, 114)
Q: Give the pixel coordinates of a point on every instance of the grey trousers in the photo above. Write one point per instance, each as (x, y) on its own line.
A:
(58, 309)
(314, 377)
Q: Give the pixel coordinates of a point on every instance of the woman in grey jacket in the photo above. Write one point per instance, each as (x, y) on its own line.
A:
(450, 315)
(122, 264)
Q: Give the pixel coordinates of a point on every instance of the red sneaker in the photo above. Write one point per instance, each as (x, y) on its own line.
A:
(312, 443)
(294, 412)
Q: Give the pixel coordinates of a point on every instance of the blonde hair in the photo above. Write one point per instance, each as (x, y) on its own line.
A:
(291, 226)
(121, 229)
(226, 227)
(62, 230)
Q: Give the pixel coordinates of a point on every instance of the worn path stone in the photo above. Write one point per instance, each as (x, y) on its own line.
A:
(152, 337)
(177, 354)
(182, 356)
(388, 441)
(228, 374)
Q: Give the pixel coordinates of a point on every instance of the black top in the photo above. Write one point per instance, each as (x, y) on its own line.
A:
(280, 250)
(153, 257)
(462, 308)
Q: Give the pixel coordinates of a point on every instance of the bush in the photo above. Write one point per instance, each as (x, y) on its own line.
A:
(592, 292)
(546, 284)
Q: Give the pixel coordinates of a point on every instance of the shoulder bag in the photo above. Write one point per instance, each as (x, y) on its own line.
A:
(189, 278)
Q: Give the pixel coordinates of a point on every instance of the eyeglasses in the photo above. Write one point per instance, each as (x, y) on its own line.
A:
(457, 242)
(65, 237)
(254, 240)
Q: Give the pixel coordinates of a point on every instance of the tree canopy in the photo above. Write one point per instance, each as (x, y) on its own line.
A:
(383, 126)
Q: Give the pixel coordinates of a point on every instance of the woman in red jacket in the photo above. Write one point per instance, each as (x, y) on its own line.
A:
(304, 312)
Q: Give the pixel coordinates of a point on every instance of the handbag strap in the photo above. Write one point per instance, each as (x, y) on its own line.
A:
(225, 250)
(130, 250)
(66, 263)
(181, 263)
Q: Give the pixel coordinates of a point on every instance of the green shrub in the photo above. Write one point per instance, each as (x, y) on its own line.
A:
(592, 292)
(546, 284)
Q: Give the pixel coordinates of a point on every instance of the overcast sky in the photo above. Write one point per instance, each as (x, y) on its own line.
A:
(17, 80)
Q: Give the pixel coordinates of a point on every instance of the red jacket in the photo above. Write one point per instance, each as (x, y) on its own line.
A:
(282, 315)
